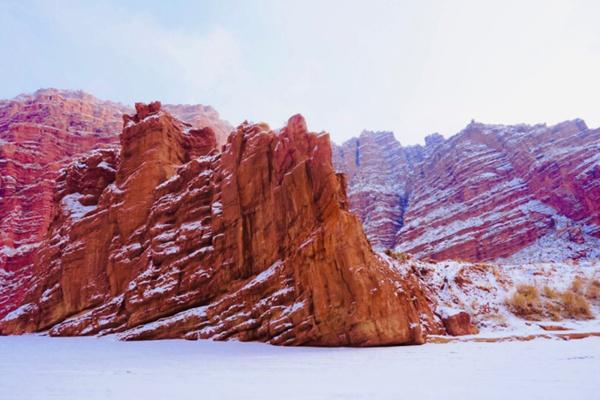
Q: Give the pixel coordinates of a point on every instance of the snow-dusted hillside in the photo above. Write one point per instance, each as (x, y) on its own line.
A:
(484, 291)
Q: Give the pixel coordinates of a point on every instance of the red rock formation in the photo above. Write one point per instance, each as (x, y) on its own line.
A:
(459, 324)
(39, 134)
(490, 192)
(173, 238)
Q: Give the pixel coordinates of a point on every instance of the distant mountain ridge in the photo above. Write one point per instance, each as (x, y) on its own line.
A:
(491, 192)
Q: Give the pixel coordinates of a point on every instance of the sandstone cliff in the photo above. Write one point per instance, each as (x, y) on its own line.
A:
(170, 237)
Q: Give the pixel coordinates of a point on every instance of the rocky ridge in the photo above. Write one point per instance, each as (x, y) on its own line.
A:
(492, 192)
(170, 237)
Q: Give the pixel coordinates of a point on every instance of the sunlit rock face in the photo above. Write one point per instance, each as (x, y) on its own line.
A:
(40, 133)
(172, 236)
(522, 193)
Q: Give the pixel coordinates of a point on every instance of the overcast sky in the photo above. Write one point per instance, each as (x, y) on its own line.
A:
(413, 67)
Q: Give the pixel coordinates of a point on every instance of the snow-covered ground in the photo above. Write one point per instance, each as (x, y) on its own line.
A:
(36, 367)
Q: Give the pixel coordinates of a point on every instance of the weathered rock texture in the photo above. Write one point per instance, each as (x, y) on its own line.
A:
(40, 134)
(172, 238)
(490, 192)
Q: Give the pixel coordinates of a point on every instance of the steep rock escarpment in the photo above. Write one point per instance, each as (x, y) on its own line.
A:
(521, 193)
(171, 237)
(40, 134)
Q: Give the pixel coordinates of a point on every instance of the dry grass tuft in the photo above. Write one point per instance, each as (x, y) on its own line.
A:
(578, 285)
(550, 292)
(528, 303)
(575, 306)
(525, 302)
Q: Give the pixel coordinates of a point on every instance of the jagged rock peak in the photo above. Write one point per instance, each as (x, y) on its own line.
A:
(41, 132)
(296, 125)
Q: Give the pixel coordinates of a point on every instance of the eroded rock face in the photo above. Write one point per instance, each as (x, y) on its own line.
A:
(522, 193)
(171, 237)
(40, 134)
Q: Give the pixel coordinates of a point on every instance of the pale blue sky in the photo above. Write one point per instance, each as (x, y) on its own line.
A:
(414, 67)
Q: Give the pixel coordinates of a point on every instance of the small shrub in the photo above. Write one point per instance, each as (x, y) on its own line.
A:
(575, 306)
(578, 285)
(525, 302)
(553, 311)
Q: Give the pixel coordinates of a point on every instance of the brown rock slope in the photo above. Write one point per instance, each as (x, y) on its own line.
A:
(172, 238)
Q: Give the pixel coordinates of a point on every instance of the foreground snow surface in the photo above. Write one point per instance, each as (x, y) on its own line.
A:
(35, 367)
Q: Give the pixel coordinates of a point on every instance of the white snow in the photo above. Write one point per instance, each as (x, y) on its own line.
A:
(197, 312)
(18, 312)
(148, 118)
(266, 274)
(77, 210)
(33, 367)
(17, 251)
(106, 166)
(217, 207)
(483, 289)
(553, 248)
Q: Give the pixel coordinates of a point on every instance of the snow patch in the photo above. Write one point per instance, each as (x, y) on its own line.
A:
(72, 204)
